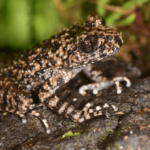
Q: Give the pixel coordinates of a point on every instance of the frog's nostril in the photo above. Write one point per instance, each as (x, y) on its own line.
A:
(118, 40)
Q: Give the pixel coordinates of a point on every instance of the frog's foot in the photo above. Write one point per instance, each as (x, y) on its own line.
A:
(42, 119)
(39, 116)
(117, 81)
(95, 87)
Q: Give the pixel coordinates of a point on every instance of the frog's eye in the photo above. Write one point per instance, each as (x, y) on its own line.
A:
(89, 44)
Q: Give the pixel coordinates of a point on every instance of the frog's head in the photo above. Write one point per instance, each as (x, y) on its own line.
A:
(83, 44)
(91, 41)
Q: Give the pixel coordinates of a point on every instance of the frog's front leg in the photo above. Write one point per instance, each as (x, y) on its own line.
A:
(47, 92)
(48, 96)
(101, 81)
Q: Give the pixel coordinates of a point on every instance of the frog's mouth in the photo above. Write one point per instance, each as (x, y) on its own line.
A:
(108, 52)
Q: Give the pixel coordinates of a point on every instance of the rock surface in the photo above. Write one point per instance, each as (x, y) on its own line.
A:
(128, 131)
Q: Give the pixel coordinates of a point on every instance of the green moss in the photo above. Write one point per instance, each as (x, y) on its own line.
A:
(4, 113)
(70, 134)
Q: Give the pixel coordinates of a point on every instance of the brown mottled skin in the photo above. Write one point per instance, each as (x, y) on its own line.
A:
(50, 64)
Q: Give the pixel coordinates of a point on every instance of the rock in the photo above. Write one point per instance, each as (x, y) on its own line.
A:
(129, 130)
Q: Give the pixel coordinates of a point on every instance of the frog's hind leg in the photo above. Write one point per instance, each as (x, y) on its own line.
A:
(91, 112)
(16, 103)
(22, 104)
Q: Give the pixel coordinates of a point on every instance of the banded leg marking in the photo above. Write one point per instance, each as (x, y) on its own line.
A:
(87, 113)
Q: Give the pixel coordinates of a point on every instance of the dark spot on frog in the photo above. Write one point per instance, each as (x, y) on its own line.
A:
(57, 55)
(109, 44)
(64, 48)
(18, 66)
(102, 47)
(48, 65)
(118, 40)
(35, 97)
(69, 52)
(61, 33)
(37, 59)
(102, 55)
(24, 76)
(44, 49)
(46, 56)
(109, 37)
(53, 50)
(55, 46)
(72, 33)
(53, 62)
(9, 74)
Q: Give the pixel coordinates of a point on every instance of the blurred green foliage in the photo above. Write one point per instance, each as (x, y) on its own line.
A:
(25, 22)
(122, 7)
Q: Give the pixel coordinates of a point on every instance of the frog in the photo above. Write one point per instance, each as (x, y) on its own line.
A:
(50, 64)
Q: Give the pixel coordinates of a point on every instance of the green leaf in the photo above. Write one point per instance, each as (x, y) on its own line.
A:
(1, 4)
(105, 1)
(141, 2)
(128, 4)
(45, 21)
(110, 20)
(17, 21)
(128, 20)
(70, 134)
(69, 3)
(101, 10)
